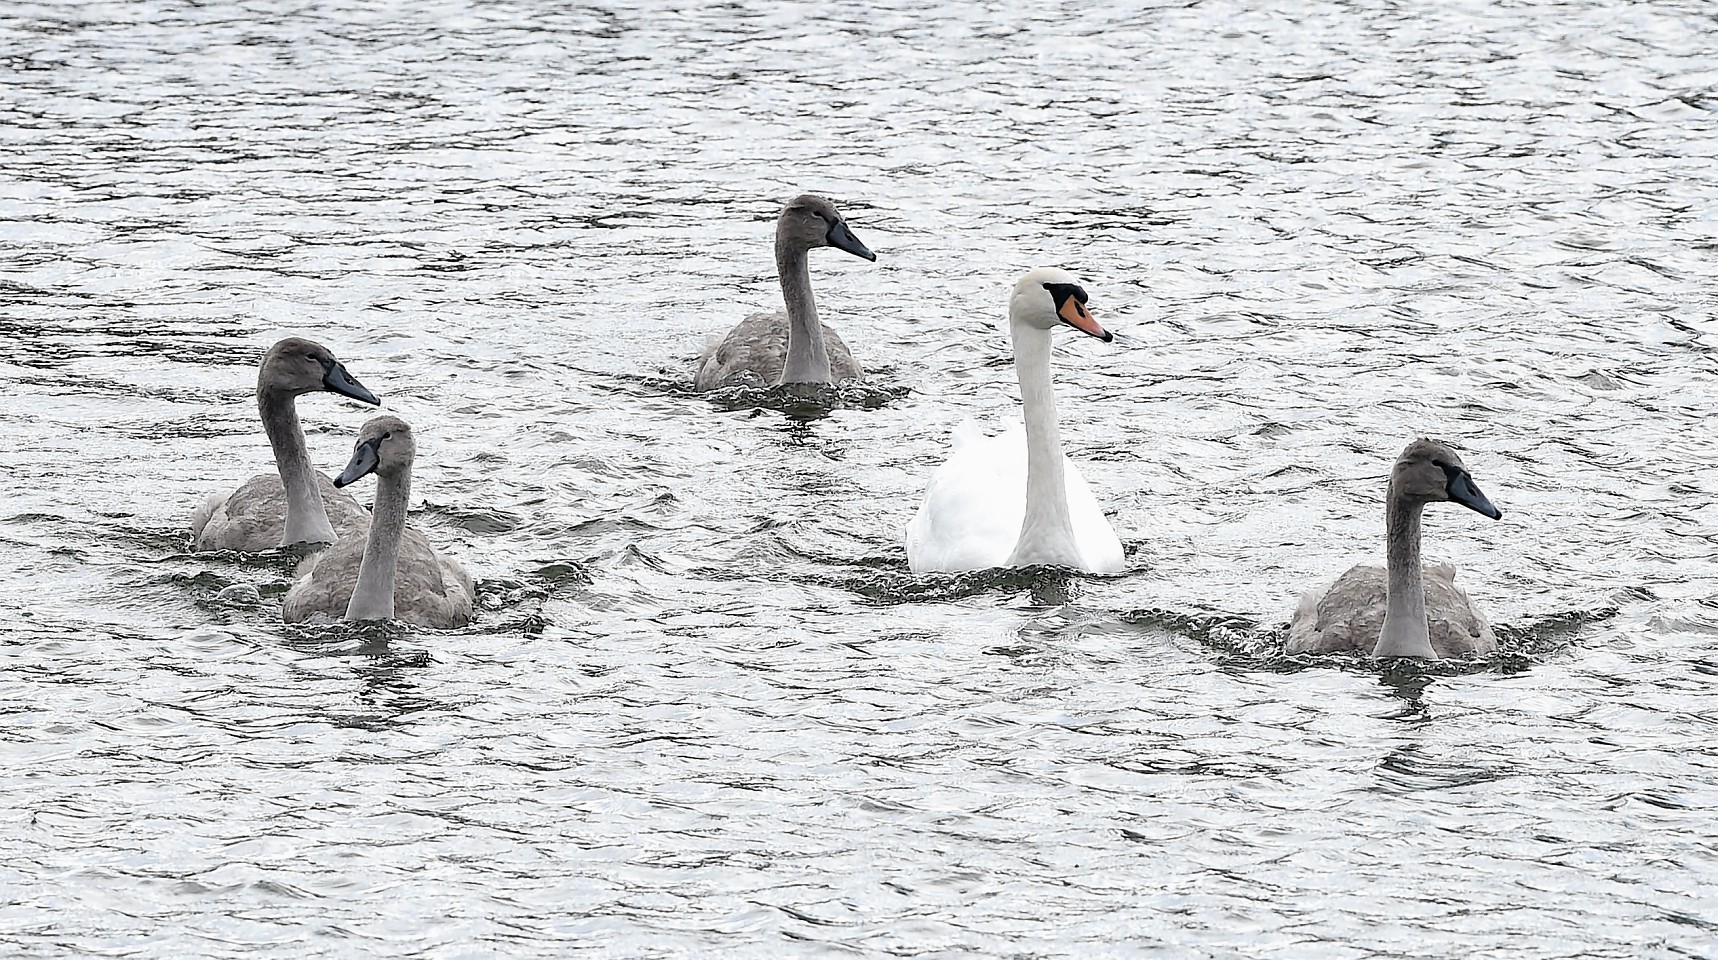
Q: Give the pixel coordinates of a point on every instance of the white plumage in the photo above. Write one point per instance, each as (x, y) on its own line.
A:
(1014, 499)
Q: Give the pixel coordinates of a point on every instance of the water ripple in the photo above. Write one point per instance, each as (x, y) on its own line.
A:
(704, 709)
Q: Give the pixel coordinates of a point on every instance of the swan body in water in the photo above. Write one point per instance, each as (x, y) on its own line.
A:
(394, 572)
(296, 504)
(1404, 610)
(793, 347)
(1016, 500)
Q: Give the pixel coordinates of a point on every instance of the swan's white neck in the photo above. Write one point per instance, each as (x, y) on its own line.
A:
(807, 359)
(1047, 531)
(1405, 633)
(373, 597)
(306, 517)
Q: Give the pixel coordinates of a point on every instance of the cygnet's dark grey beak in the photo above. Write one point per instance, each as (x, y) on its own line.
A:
(843, 239)
(336, 379)
(363, 463)
(1463, 491)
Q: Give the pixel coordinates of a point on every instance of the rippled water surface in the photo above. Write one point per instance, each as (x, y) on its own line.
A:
(705, 710)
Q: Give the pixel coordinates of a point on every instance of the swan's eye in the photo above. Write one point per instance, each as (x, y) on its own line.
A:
(387, 436)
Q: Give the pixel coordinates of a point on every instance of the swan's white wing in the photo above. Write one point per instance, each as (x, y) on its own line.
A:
(1100, 548)
(973, 507)
(976, 503)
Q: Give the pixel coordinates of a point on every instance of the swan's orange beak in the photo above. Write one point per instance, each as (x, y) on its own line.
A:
(1075, 314)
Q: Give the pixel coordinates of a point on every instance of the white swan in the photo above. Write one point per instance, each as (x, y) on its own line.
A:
(1014, 500)
(792, 347)
(1402, 612)
(395, 573)
(291, 506)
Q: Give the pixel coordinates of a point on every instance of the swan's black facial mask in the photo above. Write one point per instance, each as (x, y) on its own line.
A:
(1462, 490)
(336, 379)
(842, 238)
(1071, 307)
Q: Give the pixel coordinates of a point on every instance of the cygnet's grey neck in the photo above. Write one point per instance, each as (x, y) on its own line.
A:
(807, 360)
(306, 517)
(1405, 633)
(1047, 531)
(373, 596)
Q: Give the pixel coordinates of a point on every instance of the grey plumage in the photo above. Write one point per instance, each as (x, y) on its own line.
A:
(754, 353)
(394, 572)
(1348, 617)
(430, 590)
(253, 517)
(295, 504)
(768, 349)
(1403, 609)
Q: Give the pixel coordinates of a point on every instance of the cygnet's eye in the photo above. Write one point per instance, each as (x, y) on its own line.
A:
(388, 436)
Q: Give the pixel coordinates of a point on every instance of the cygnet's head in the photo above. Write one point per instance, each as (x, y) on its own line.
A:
(1429, 472)
(811, 221)
(1049, 296)
(296, 365)
(385, 448)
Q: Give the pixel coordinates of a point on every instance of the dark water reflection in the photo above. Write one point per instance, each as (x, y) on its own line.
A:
(705, 710)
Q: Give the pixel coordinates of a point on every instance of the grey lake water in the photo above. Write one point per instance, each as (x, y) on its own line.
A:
(704, 709)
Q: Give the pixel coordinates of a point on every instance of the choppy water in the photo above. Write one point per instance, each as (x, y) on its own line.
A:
(705, 710)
